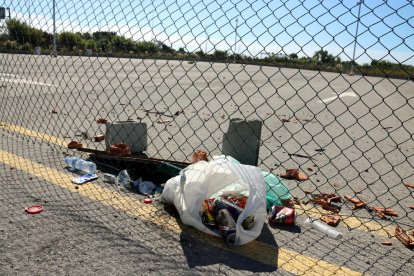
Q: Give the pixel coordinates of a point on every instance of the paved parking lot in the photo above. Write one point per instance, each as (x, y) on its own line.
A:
(365, 126)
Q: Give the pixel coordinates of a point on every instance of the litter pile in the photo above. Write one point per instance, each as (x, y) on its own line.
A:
(221, 197)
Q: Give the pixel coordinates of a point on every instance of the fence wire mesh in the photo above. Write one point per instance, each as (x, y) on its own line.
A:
(330, 83)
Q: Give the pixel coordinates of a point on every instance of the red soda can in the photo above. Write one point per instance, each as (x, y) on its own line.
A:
(282, 215)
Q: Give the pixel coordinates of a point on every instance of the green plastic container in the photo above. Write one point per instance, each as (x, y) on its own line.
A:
(276, 190)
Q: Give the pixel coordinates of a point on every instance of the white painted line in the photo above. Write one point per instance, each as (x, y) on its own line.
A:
(5, 74)
(345, 94)
(24, 81)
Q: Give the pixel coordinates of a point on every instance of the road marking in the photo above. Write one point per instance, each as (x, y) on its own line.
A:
(18, 79)
(35, 134)
(342, 95)
(6, 74)
(311, 211)
(288, 260)
(351, 221)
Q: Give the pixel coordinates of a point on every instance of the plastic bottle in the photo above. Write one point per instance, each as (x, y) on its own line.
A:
(123, 180)
(324, 228)
(110, 178)
(80, 164)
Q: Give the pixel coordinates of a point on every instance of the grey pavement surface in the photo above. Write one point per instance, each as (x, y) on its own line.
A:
(366, 135)
(76, 235)
(365, 125)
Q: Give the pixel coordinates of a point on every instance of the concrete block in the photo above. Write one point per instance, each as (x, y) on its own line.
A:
(132, 133)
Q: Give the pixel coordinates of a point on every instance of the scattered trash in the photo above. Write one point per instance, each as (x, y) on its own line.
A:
(409, 185)
(383, 212)
(357, 203)
(320, 150)
(329, 202)
(123, 180)
(145, 187)
(199, 155)
(148, 200)
(35, 209)
(285, 120)
(101, 121)
(53, 111)
(223, 212)
(386, 243)
(99, 138)
(277, 193)
(224, 185)
(84, 178)
(110, 178)
(119, 150)
(324, 228)
(300, 155)
(74, 145)
(165, 122)
(79, 164)
(294, 174)
(310, 169)
(402, 236)
(332, 220)
(282, 215)
(411, 207)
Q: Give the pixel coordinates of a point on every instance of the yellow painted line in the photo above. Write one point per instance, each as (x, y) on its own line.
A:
(351, 221)
(285, 259)
(34, 134)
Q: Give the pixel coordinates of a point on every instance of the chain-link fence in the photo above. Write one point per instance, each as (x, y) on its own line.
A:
(325, 87)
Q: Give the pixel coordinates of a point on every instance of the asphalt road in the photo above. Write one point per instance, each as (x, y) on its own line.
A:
(364, 125)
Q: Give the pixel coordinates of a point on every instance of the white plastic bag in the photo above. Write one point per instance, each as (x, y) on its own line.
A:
(204, 180)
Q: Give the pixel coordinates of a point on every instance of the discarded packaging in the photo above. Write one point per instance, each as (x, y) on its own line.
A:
(35, 209)
(123, 180)
(84, 178)
(79, 164)
(386, 243)
(110, 178)
(357, 203)
(276, 191)
(145, 187)
(402, 236)
(241, 192)
(294, 174)
(227, 226)
(101, 121)
(199, 155)
(332, 220)
(99, 138)
(282, 215)
(329, 202)
(74, 145)
(324, 228)
(119, 150)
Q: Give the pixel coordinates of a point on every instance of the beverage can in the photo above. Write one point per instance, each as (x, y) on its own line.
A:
(248, 222)
(282, 215)
(226, 226)
(221, 203)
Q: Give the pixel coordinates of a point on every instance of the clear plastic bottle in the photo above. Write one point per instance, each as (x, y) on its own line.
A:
(80, 164)
(324, 228)
(123, 180)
